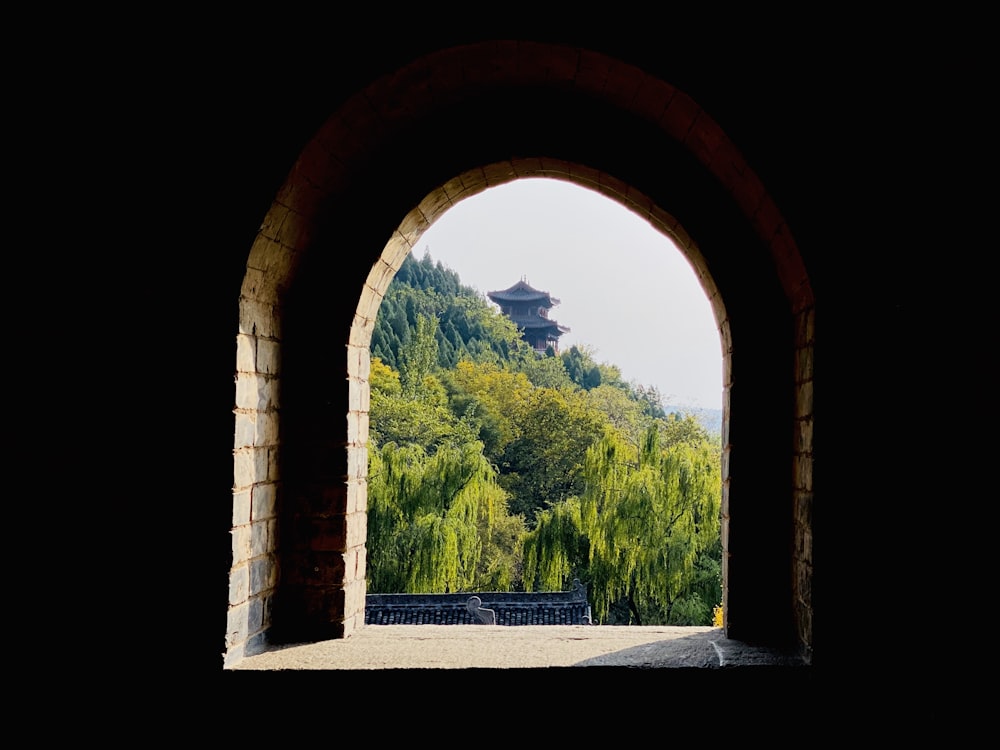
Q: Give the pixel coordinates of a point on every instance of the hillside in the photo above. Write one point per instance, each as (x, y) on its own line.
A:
(469, 326)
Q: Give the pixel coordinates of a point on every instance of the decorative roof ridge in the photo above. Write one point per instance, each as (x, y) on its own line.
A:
(524, 288)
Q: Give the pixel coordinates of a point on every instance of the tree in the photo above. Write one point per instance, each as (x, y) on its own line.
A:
(543, 464)
(465, 377)
(396, 417)
(432, 517)
(683, 428)
(644, 535)
(546, 372)
(649, 515)
(500, 395)
(556, 550)
(419, 356)
(627, 415)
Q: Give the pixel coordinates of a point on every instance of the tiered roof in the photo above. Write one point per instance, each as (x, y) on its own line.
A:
(522, 291)
(528, 308)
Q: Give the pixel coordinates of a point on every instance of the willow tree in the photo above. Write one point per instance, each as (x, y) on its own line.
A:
(430, 517)
(649, 513)
(555, 550)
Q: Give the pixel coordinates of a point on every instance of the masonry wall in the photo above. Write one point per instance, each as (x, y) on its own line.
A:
(316, 273)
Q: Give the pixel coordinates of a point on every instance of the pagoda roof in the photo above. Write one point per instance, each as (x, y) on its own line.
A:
(539, 324)
(520, 292)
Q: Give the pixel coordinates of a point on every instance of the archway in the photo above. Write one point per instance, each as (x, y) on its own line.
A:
(299, 498)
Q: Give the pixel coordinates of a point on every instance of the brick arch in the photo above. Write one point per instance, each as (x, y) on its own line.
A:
(299, 528)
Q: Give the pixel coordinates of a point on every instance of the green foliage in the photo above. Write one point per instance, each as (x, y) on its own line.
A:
(556, 550)
(546, 372)
(494, 468)
(424, 420)
(675, 429)
(650, 514)
(430, 519)
(467, 325)
(494, 397)
(627, 415)
(581, 368)
(418, 357)
(543, 464)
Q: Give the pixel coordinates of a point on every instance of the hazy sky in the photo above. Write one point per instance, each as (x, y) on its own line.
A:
(656, 326)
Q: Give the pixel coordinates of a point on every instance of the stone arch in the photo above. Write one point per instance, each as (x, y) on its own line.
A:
(415, 143)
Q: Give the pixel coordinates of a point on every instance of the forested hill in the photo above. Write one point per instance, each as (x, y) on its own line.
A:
(493, 467)
(466, 323)
(469, 326)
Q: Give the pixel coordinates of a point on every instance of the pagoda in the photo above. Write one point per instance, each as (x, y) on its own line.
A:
(529, 308)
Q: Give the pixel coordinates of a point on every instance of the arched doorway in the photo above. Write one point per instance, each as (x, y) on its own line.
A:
(411, 146)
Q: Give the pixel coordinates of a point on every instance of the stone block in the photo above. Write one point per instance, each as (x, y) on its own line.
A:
(804, 363)
(263, 574)
(357, 495)
(652, 97)
(726, 341)
(257, 317)
(237, 624)
(267, 428)
(367, 310)
(379, 278)
(361, 563)
(804, 436)
(357, 529)
(253, 392)
(264, 496)
(499, 173)
(246, 353)
(239, 584)
(680, 116)
(242, 506)
(804, 509)
(268, 356)
(267, 238)
(256, 643)
(623, 84)
(803, 582)
(354, 428)
(354, 597)
(246, 429)
(273, 464)
(357, 461)
(271, 392)
(255, 287)
(242, 540)
(234, 656)
(803, 474)
(294, 233)
(805, 327)
(249, 467)
(262, 537)
(405, 238)
(354, 388)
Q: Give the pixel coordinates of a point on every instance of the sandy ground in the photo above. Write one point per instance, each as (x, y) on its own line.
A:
(498, 647)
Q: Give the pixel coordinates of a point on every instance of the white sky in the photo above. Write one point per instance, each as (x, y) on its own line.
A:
(656, 325)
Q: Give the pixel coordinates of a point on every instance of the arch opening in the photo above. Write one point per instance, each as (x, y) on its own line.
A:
(299, 477)
(602, 260)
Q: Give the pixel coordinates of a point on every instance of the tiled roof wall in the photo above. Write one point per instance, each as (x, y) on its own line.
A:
(511, 608)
